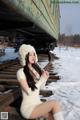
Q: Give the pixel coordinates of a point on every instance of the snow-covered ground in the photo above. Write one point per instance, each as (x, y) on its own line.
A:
(68, 66)
(67, 89)
(9, 54)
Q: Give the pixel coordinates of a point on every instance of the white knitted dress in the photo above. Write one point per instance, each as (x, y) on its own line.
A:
(31, 99)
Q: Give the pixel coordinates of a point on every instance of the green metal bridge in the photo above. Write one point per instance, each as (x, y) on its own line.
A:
(36, 20)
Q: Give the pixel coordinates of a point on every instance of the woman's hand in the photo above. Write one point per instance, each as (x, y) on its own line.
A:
(45, 74)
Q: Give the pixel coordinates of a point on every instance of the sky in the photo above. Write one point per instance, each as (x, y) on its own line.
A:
(70, 18)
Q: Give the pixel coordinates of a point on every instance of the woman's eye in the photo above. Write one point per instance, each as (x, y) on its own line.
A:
(33, 55)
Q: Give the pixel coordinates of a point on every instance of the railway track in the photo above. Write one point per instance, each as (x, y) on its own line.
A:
(9, 87)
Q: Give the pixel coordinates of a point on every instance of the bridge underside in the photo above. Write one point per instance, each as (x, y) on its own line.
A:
(13, 25)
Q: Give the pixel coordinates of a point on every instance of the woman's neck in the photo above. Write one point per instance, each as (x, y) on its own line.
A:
(30, 65)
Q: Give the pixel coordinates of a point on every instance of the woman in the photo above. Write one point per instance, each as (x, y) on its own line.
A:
(31, 77)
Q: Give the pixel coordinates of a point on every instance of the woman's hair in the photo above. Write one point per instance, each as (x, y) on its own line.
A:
(28, 75)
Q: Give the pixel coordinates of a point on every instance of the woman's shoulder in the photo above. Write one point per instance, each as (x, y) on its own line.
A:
(20, 74)
(20, 70)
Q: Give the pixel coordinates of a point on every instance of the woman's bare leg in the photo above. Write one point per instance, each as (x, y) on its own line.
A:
(45, 108)
(50, 117)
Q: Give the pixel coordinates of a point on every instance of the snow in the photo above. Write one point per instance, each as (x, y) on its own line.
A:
(68, 66)
(9, 54)
(67, 89)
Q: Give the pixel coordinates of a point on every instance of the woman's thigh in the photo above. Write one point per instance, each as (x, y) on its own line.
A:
(43, 109)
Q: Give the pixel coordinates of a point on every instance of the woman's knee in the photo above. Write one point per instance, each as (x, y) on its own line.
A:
(56, 106)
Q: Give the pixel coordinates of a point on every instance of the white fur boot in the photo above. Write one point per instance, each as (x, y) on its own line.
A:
(58, 116)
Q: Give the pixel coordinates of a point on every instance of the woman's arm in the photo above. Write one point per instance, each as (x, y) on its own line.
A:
(42, 79)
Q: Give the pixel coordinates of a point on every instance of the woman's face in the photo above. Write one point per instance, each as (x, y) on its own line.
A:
(32, 57)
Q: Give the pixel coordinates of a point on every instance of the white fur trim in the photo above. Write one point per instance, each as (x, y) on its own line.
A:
(23, 51)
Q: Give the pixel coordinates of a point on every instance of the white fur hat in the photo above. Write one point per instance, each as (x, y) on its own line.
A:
(23, 51)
